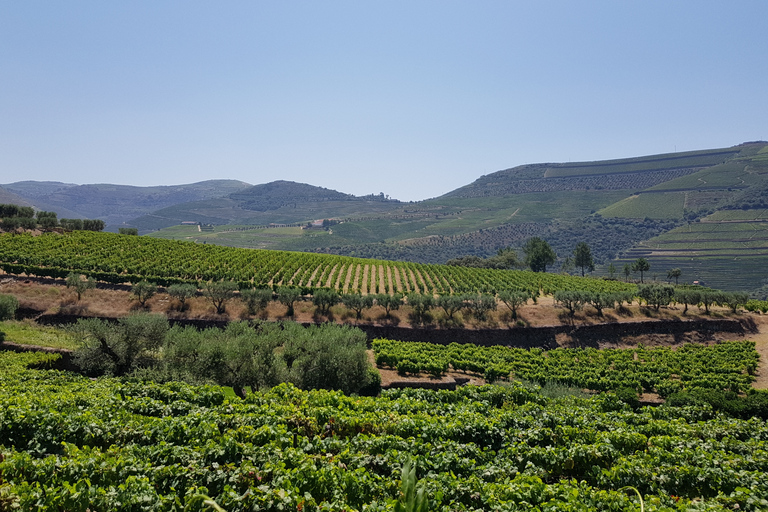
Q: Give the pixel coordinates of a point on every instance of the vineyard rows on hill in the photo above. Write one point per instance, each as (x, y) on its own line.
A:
(120, 258)
(726, 366)
(72, 443)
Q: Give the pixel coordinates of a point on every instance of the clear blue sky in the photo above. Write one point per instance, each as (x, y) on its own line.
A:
(409, 98)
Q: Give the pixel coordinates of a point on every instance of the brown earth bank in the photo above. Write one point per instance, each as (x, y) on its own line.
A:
(543, 325)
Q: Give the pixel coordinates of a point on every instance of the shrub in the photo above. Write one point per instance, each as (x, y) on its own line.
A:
(8, 306)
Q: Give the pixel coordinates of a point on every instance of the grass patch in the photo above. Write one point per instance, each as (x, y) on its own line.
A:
(29, 333)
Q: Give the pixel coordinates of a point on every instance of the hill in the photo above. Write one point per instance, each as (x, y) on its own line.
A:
(278, 202)
(618, 207)
(115, 204)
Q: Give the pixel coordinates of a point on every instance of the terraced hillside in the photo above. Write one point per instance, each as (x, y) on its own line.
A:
(728, 249)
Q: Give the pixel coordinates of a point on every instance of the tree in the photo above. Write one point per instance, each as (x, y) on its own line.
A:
(611, 270)
(47, 220)
(287, 296)
(538, 254)
(513, 299)
(128, 231)
(687, 297)
(389, 302)
(119, 348)
(219, 292)
(93, 225)
(627, 271)
(324, 299)
(600, 300)
(656, 295)
(674, 273)
(572, 300)
(641, 265)
(143, 291)
(80, 284)
(420, 303)
(256, 299)
(582, 257)
(480, 305)
(182, 292)
(451, 304)
(357, 303)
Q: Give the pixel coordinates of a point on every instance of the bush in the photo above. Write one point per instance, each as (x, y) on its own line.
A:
(8, 306)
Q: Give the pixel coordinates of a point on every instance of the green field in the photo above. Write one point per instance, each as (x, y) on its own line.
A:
(652, 206)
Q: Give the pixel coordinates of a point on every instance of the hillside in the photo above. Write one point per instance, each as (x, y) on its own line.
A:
(619, 207)
(278, 202)
(115, 204)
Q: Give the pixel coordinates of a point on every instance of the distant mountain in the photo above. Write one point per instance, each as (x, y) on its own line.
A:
(8, 197)
(116, 204)
(278, 202)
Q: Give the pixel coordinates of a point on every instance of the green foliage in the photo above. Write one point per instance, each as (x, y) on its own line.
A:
(729, 365)
(71, 443)
(143, 291)
(687, 296)
(451, 304)
(675, 274)
(570, 300)
(641, 265)
(538, 254)
(389, 302)
(412, 499)
(182, 292)
(219, 293)
(513, 299)
(8, 306)
(420, 305)
(324, 299)
(757, 305)
(119, 348)
(256, 299)
(656, 295)
(357, 302)
(128, 231)
(479, 305)
(80, 284)
(288, 296)
(582, 257)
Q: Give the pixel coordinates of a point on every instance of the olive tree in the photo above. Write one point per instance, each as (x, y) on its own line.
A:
(219, 293)
(117, 348)
(80, 284)
(143, 291)
(182, 292)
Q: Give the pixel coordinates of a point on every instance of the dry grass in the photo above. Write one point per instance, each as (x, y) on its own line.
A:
(55, 298)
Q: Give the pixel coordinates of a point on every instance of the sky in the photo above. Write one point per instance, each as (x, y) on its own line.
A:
(409, 98)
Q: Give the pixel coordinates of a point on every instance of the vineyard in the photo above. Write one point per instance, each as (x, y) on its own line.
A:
(119, 258)
(728, 366)
(71, 443)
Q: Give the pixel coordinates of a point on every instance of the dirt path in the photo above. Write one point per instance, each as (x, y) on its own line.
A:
(761, 344)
